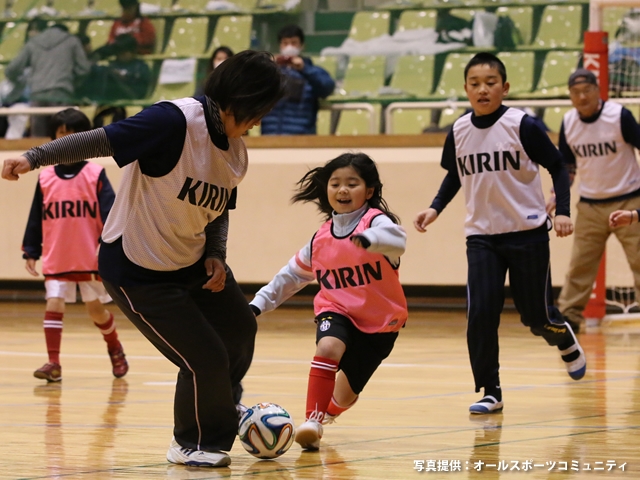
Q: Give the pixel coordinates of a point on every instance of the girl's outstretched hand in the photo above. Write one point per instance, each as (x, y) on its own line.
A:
(14, 167)
(424, 218)
(563, 225)
(621, 218)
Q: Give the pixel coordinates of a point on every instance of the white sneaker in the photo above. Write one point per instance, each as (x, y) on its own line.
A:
(196, 458)
(308, 435)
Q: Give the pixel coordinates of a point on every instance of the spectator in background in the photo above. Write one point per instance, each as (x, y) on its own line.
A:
(218, 56)
(131, 76)
(57, 61)
(305, 85)
(133, 23)
(86, 44)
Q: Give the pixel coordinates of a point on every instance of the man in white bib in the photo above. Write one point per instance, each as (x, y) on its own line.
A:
(598, 140)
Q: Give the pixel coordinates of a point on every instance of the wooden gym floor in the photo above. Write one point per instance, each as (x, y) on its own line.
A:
(413, 415)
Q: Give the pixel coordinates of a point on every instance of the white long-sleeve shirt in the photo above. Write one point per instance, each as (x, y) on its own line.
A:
(386, 238)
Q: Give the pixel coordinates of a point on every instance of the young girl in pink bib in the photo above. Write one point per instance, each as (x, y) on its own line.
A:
(360, 307)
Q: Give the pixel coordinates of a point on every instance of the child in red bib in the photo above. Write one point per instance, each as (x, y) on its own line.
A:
(69, 208)
(361, 306)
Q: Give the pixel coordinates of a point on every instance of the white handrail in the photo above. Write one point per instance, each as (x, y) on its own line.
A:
(465, 104)
(359, 106)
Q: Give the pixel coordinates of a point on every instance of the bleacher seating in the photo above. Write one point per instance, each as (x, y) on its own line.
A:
(108, 7)
(553, 117)
(414, 75)
(358, 122)
(558, 65)
(13, 38)
(520, 68)
(188, 37)
(98, 32)
(414, 19)
(451, 84)
(551, 34)
(368, 25)
(364, 76)
(522, 18)
(410, 121)
(233, 31)
(561, 26)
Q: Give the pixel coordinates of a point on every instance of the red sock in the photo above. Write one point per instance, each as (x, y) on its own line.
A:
(53, 334)
(322, 380)
(334, 409)
(109, 333)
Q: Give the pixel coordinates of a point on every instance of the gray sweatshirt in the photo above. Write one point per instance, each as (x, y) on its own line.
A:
(56, 59)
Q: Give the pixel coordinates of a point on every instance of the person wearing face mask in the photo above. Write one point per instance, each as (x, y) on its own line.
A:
(598, 138)
(218, 56)
(305, 85)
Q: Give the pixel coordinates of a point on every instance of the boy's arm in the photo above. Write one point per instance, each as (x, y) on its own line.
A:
(294, 276)
(451, 183)
(32, 241)
(106, 195)
(630, 128)
(539, 148)
(321, 82)
(567, 155)
(384, 237)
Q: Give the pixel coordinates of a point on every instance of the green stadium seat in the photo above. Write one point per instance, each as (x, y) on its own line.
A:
(561, 26)
(323, 122)
(13, 37)
(364, 76)
(98, 32)
(368, 25)
(188, 37)
(70, 7)
(158, 25)
(522, 18)
(277, 5)
(612, 19)
(357, 122)
(195, 6)
(410, 121)
(246, 6)
(520, 68)
(466, 13)
(171, 91)
(553, 117)
(328, 62)
(555, 74)
(233, 31)
(108, 7)
(414, 75)
(449, 115)
(72, 25)
(20, 8)
(415, 19)
(451, 83)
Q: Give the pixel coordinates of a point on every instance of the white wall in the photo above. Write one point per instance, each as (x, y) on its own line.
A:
(266, 230)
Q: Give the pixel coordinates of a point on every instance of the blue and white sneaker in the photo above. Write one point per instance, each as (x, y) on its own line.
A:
(196, 458)
(574, 358)
(487, 404)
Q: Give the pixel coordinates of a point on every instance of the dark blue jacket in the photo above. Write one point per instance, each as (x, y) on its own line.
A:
(296, 113)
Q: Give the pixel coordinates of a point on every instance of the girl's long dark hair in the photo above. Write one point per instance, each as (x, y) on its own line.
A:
(313, 186)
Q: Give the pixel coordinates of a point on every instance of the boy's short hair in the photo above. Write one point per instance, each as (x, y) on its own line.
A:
(72, 119)
(248, 84)
(486, 58)
(291, 31)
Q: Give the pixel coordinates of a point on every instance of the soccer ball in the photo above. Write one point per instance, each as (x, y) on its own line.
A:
(266, 430)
